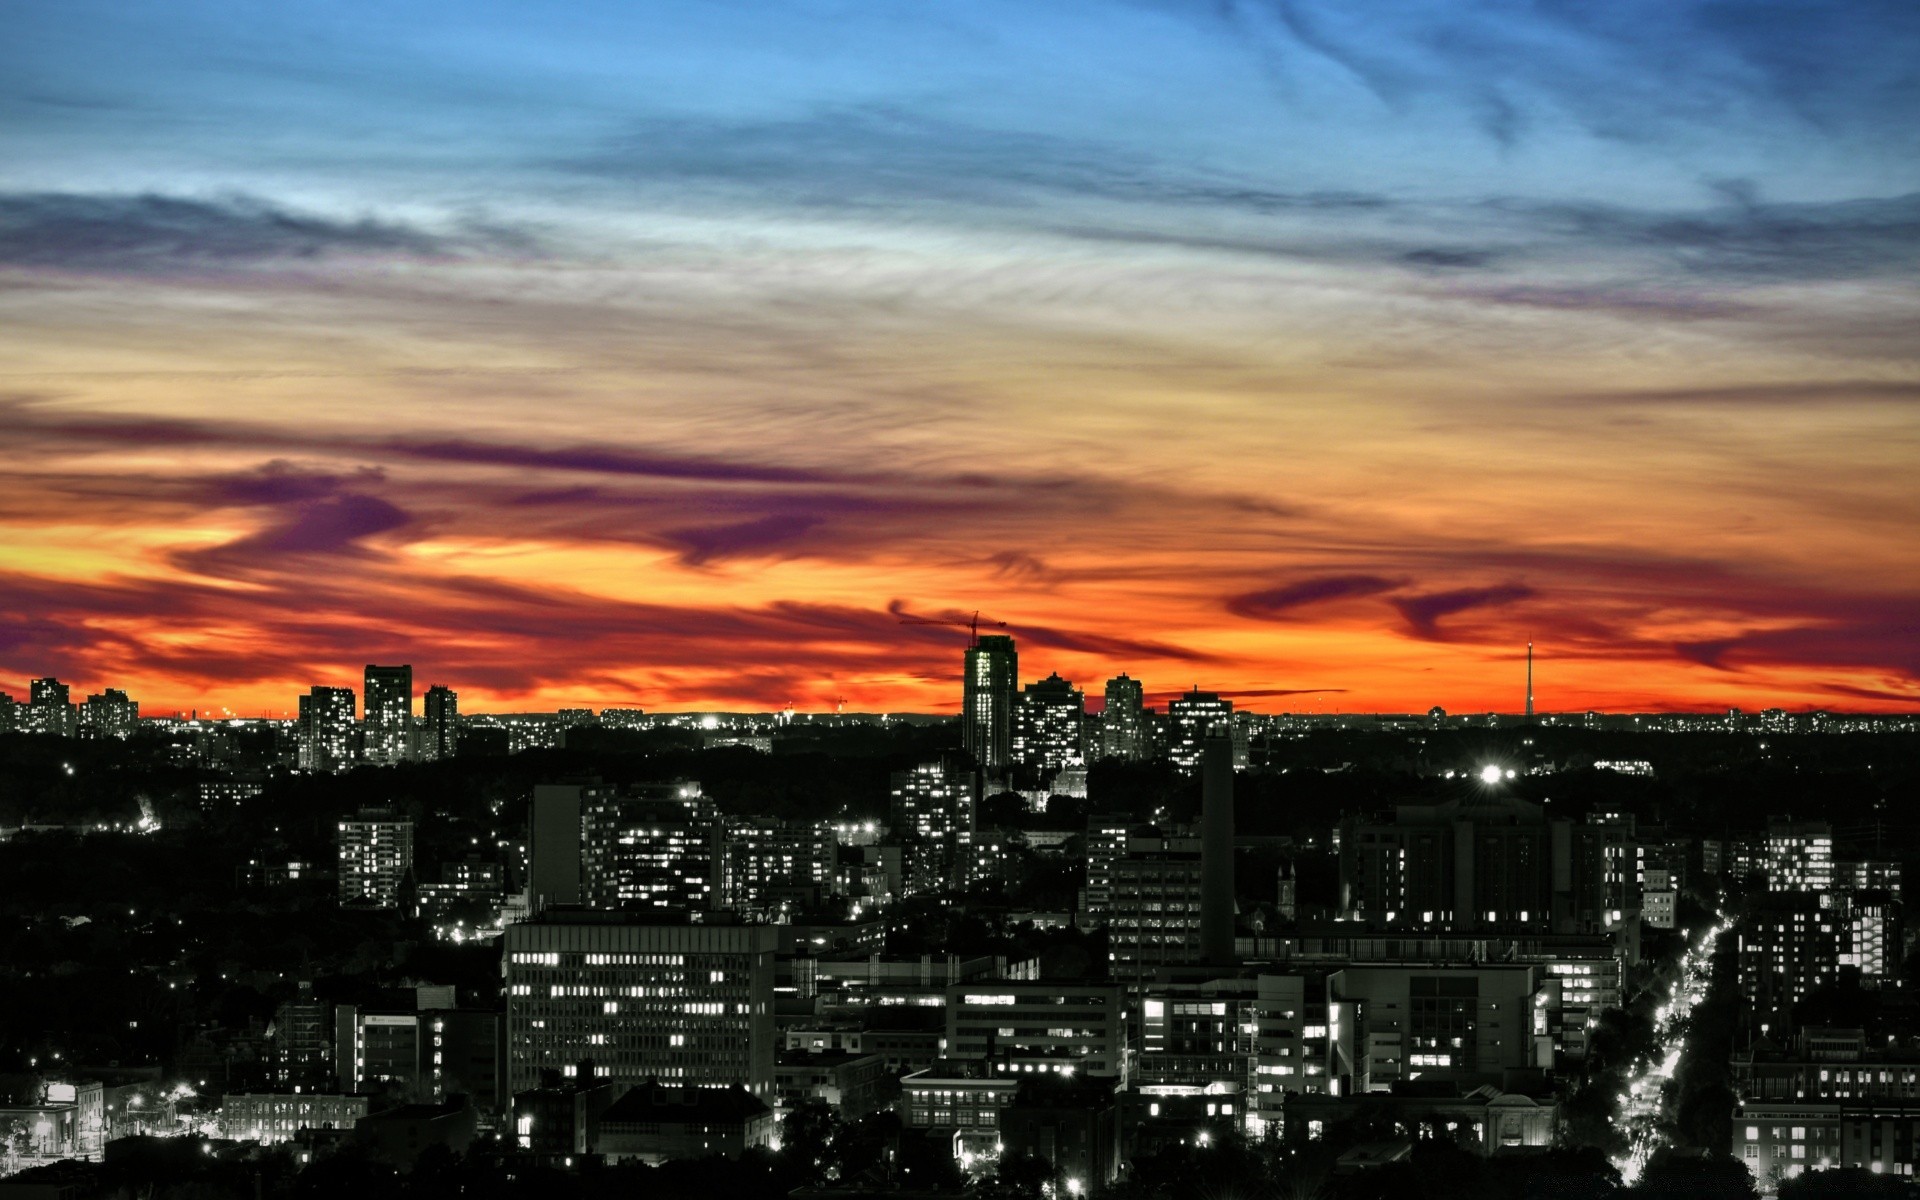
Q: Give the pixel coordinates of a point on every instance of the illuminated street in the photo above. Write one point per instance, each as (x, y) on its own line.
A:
(1641, 1107)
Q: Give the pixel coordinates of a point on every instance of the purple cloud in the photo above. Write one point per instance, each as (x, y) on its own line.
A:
(1423, 612)
(1269, 604)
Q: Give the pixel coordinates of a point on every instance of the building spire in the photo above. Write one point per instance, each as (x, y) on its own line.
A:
(1529, 680)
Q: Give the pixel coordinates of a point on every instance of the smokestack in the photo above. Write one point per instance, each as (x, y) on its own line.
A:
(1216, 848)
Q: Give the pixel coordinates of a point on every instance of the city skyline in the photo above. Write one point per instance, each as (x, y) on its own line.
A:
(636, 356)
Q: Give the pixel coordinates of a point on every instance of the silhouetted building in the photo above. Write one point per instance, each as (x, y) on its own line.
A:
(440, 724)
(387, 724)
(50, 709)
(1123, 724)
(1216, 847)
(987, 696)
(654, 1123)
(110, 713)
(1489, 861)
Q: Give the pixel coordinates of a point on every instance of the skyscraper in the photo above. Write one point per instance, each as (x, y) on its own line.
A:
(1123, 727)
(1049, 725)
(986, 718)
(329, 740)
(1216, 847)
(441, 736)
(50, 709)
(933, 808)
(388, 719)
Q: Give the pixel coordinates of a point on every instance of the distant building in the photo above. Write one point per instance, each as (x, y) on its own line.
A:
(673, 1002)
(329, 738)
(1191, 717)
(110, 713)
(269, 1117)
(933, 808)
(440, 726)
(387, 725)
(1799, 856)
(50, 709)
(376, 854)
(987, 698)
(1049, 726)
(1123, 725)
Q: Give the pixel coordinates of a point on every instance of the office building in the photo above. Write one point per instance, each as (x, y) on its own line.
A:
(440, 724)
(376, 855)
(1190, 718)
(1780, 1139)
(50, 709)
(1049, 726)
(644, 998)
(329, 737)
(1154, 906)
(387, 724)
(110, 713)
(1123, 723)
(1024, 1028)
(1461, 1024)
(1107, 838)
(987, 696)
(301, 1042)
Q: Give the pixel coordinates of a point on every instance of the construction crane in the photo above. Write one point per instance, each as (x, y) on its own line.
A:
(839, 704)
(971, 624)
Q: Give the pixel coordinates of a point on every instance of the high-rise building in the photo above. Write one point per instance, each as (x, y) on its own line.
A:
(1154, 906)
(110, 713)
(10, 713)
(329, 738)
(388, 714)
(933, 809)
(1049, 726)
(643, 997)
(302, 1042)
(986, 717)
(440, 731)
(50, 709)
(376, 853)
(553, 844)
(659, 848)
(772, 867)
(1123, 726)
(1799, 856)
(1192, 716)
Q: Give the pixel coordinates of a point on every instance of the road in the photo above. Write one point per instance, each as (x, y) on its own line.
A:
(1641, 1105)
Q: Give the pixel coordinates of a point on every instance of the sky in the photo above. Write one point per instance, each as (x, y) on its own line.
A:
(672, 354)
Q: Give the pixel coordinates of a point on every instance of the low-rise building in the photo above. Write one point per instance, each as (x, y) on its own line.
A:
(652, 1124)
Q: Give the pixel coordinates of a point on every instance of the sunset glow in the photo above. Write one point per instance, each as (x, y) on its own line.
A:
(611, 359)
